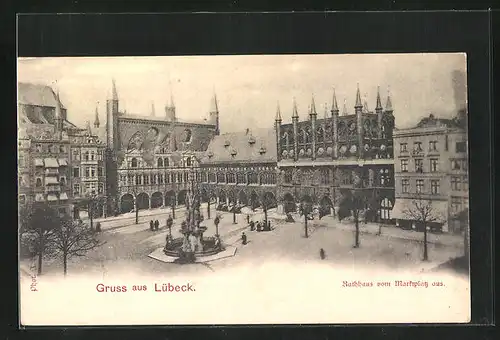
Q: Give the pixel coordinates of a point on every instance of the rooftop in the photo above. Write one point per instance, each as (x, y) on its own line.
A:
(36, 94)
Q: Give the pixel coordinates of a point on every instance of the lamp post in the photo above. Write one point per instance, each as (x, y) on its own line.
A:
(173, 206)
(209, 193)
(90, 206)
(305, 208)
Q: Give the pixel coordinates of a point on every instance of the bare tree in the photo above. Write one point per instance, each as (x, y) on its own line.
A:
(422, 211)
(37, 225)
(74, 238)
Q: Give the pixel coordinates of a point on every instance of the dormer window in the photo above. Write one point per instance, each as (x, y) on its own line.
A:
(251, 140)
(226, 143)
(233, 152)
(210, 154)
(262, 150)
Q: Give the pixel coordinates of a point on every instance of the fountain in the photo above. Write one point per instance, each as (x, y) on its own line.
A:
(192, 244)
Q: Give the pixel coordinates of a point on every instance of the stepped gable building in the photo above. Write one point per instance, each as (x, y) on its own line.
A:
(431, 170)
(149, 157)
(47, 145)
(240, 167)
(321, 160)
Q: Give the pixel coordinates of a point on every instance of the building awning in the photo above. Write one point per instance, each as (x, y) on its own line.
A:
(63, 196)
(51, 180)
(63, 162)
(436, 210)
(51, 198)
(39, 198)
(51, 163)
(38, 162)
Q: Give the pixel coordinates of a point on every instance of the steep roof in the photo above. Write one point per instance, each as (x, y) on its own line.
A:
(251, 146)
(36, 94)
(433, 121)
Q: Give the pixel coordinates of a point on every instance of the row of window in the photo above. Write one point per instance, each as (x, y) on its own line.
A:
(419, 186)
(459, 183)
(241, 178)
(39, 182)
(92, 155)
(458, 204)
(419, 165)
(433, 146)
(142, 179)
(50, 148)
(88, 188)
(160, 162)
(89, 171)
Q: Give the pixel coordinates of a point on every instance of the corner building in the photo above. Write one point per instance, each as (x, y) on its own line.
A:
(149, 158)
(320, 159)
(432, 165)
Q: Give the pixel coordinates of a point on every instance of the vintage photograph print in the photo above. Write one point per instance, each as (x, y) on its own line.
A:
(245, 189)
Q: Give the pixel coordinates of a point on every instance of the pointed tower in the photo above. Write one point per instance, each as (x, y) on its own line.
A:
(335, 119)
(213, 114)
(388, 105)
(112, 118)
(295, 122)
(313, 114)
(358, 108)
(379, 110)
(58, 117)
(365, 104)
(344, 108)
(88, 128)
(277, 127)
(97, 123)
(170, 109)
(153, 109)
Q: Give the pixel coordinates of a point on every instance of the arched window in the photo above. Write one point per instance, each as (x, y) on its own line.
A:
(302, 136)
(38, 182)
(62, 181)
(134, 162)
(92, 155)
(188, 161)
(86, 155)
(320, 136)
(165, 162)
(160, 162)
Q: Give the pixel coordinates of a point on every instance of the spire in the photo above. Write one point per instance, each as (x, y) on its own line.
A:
(96, 120)
(335, 107)
(313, 107)
(89, 129)
(295, 113)
(58, 113)
(326, 111)
(365, 104)
(171, 104)
(358, 99)
(388, 105)
(344, 109)
(278, 113)
(214, 107)
(114, 92)
(152, 109)
(379, 102)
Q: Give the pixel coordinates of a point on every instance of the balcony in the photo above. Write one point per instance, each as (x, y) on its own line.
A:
(52, 171)
(52, 188)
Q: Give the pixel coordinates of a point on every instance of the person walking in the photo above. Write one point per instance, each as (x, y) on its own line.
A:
(151, 225)
(243, 238)
(322, 254)
(157, 225)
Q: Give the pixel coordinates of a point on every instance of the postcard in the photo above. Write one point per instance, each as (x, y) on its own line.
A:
(243, 189)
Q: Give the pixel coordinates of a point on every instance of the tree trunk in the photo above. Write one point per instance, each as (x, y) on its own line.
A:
(65, 263)
(265, 216)
(208, 209)
(90, 215)
(136, 214)
(40, 252)
(305, 225)
(425, 242)
(356, 234)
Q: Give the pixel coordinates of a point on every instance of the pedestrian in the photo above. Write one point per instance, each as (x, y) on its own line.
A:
(248, 219)
(243, 238)
(258, 226)
(151, 225)
(157, 225)
(322, 254)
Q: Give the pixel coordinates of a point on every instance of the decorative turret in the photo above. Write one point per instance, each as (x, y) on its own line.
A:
(58, 117)
(88, 128)
(380, 111)
(335, 117)
(170, 110)
(295, 121)
(214, 114)
(388, 105)
(97, 123)
(358, 107)
(112, 118)
(278, 113)
(313, 114)
(365, 104)
(344, 109)
(277, 127)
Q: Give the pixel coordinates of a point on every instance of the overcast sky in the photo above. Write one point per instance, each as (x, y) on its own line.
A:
(249, 87)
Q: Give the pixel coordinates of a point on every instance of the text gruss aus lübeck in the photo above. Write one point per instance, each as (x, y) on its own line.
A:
(158, 287)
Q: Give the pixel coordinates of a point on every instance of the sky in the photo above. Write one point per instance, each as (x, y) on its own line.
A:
(249, 88)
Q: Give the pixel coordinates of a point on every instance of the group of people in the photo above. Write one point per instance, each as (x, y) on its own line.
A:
(260, 226)
(154, 225)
